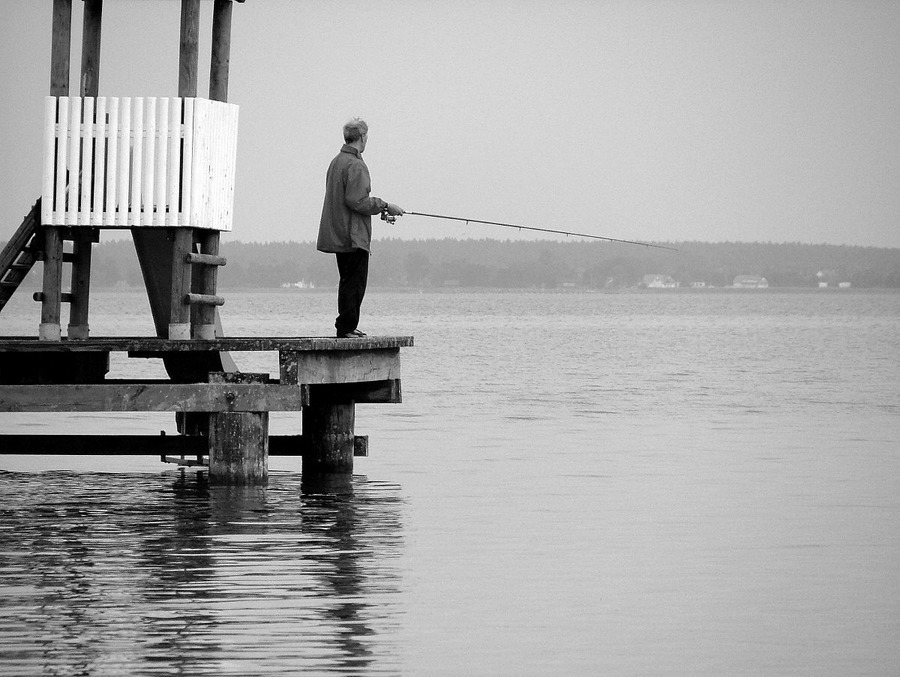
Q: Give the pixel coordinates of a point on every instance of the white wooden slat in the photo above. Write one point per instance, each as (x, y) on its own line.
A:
(111, 133)
(149, 159)
(123, 164)
(74, 164)
(99, 183)
(161, 163)
(137, 160)
(47, 186)
(187, 163)
(86, 178)
(174, 162)
(62, 162)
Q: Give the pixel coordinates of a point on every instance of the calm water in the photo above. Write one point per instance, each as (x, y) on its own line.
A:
(623, 484)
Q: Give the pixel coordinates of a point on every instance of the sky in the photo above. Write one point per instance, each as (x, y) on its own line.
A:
(654, 120)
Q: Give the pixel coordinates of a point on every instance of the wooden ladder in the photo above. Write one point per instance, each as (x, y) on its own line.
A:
(20, 254)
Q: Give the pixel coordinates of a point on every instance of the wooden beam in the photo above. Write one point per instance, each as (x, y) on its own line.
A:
(206, 259)
(189, 54)
(206, 397)
(145, 445)
(151, 346)
(90, 47)
(221, 51)
(204, 300)
(370, 392)
(349, 366)
(60, 47)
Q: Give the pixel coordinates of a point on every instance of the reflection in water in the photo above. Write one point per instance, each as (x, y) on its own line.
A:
(113, 574)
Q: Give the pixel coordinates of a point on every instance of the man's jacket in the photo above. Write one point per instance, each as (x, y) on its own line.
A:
(347, 213)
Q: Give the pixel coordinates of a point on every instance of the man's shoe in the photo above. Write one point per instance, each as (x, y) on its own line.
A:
(356, 333)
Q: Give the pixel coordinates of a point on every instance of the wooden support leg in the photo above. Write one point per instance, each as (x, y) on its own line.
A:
(239, 447)
(180, 314)
(203, 316)
(328, 432)
(81, 283)
(51, 296)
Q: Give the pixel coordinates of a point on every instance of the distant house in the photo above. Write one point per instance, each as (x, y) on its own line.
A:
(658, 282)
(750, 282)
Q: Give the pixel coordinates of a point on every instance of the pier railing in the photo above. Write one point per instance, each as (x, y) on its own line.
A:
(143, 161)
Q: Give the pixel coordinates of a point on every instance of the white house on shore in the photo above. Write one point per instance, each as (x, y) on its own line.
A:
(750, 282)
(658, 282)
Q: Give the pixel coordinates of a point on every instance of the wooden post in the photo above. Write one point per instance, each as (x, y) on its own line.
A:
(328, 430)
(81, 283)
(238, 440)
(84, 238)
(180, 312)
(60, 47)
(239, 447)
(90, 47)
(51, 298)
(189, 52)
(53, 246)
(221, 51)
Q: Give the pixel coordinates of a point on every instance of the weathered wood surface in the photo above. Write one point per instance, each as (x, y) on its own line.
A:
(146, 445)
(238, 448)
(348, 366)
(149, 346)
(206, 397)
(81, 286)
(61, 47)
(369, 392)
(221, 51)
(189, 51)
(50, 304)
(331, 441)
(90, 47)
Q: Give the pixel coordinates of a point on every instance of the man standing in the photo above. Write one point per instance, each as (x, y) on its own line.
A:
(346, 226)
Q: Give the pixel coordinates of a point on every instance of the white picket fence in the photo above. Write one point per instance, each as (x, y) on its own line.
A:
(139, 161)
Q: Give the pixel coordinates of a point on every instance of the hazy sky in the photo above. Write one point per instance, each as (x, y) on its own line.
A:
(658, 120)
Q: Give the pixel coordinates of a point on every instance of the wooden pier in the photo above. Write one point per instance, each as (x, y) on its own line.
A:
(324, 378)
(164, 169)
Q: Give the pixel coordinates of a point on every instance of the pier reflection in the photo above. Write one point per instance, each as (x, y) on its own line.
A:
(145, 575)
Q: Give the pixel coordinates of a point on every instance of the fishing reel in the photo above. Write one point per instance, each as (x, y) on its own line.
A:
(387, 217)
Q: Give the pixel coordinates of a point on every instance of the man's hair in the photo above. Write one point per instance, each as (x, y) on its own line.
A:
(355, 130)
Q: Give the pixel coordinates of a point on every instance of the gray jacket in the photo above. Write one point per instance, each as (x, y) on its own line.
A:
(346, 222)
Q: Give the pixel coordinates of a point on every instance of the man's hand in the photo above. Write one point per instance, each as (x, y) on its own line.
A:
(394, 210)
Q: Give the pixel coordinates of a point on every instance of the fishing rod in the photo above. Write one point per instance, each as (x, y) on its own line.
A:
(391, 219)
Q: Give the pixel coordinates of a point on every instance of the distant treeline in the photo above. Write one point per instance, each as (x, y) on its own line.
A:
(531, 264)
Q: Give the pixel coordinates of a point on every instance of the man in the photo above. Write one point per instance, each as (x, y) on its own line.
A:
(346, 226)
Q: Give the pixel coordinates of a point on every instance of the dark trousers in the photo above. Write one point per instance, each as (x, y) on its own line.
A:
(354, 270)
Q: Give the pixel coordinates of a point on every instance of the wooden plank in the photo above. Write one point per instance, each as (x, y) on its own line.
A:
(73, 160)
(349, 366)
(371, 392)
(48, 190)
(146, 445)
(151, 346)
(151, 397)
